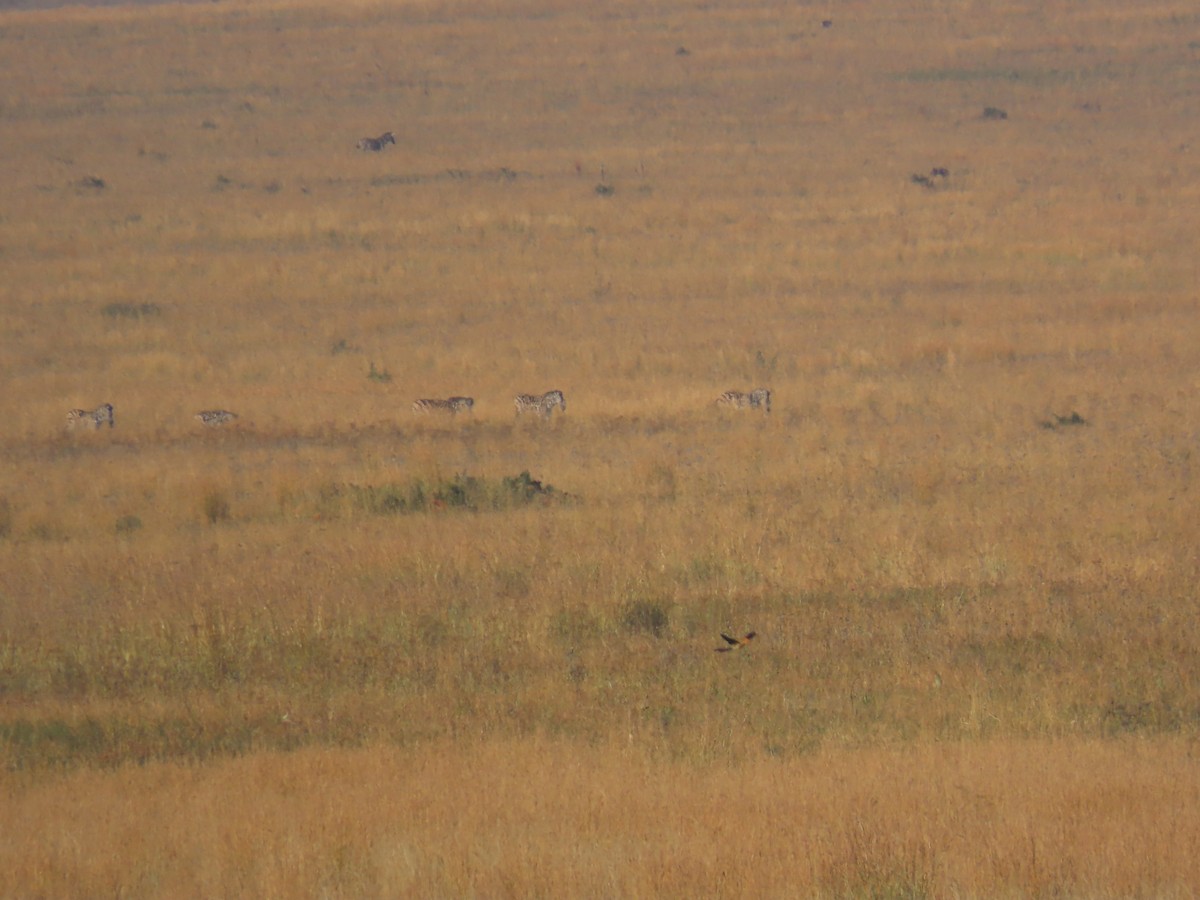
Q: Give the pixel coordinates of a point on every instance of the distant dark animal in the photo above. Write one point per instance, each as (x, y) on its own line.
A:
(543, 404)
(376, 144)
(214, 418)
(90, 419)
(759, 398)
(1064, 421)
(994, 112)
(928, 180)
(735, 643)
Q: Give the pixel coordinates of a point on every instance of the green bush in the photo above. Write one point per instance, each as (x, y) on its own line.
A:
(383, 376)
(131, 310)
(128, 524)
(216, 507)
(461, 491)
(645, 617)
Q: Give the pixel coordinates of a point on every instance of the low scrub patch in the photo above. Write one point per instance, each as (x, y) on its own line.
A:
(646, 617)
(131, 310)
(461, 491)
(383, 376)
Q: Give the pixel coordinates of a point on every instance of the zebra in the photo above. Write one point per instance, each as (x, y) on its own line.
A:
(453, 406)
(214, 418)
(376, 144)
(90, 419)
(542, 403)
(759, 398)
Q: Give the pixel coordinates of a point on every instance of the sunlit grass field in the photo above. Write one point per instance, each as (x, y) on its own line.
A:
(336, 648)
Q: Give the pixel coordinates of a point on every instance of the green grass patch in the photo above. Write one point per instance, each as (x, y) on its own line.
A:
(382, 376)
(128, 524)
(1032, 77)
(459, 492)
(131, 310)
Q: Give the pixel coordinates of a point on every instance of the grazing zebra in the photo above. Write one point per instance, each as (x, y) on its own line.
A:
(759, 398)
(453, 406)
(214, 418)
(542, 403)
(376, 144)
(90, 419)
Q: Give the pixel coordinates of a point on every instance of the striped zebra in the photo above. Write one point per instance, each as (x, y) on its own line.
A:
(542, 403)
(214, 418)
(759, 398)
(453, 406)
(376, 144)
(90, 419)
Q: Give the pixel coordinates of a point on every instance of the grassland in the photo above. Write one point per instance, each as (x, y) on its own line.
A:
(338, 649)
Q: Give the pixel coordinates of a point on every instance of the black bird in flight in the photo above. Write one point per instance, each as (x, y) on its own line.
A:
(735, 643)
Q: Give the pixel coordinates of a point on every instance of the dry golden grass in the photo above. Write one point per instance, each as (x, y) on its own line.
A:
(951, 584)
(537, 817)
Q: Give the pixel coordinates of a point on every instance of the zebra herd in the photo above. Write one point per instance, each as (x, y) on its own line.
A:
(542, 404)
(95, 419)
(545, 404)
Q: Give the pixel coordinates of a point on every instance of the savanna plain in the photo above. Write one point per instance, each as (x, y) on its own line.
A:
(337, 648)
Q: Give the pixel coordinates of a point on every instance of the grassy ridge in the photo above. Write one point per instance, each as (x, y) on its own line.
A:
(537, 815)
